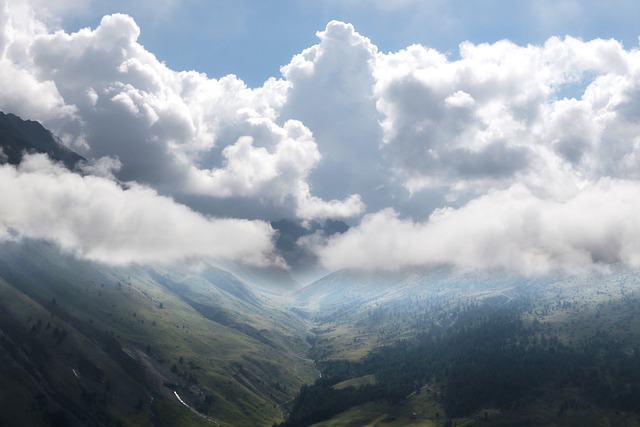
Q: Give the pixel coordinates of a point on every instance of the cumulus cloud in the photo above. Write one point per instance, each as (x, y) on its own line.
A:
(331, 92)
(496, 133)
(98, 219)
(509, 229)
(21, 90)
(495, 115)
(180, 132)
(279, 173)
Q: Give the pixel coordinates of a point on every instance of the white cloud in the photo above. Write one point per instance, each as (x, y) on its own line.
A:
(460, 99)
(98, 219)
(497, 115)
(347, 130)
(279, 174)
(180, 132)
(21, 90)
(331, 92)
(311, 207)
(509, 229)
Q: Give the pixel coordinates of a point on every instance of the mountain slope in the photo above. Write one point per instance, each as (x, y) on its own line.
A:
(18, 137)
(269, 280)
(88, 344)
(440, 348)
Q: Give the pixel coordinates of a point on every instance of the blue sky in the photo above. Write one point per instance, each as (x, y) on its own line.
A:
(253, 39)
(478, 134)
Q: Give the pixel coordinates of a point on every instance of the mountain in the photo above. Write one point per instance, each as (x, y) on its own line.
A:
(272, 280)
(344, 299)
(438, 347)
(360, 288)
(84, 343)
(88, 344)
(18, 137)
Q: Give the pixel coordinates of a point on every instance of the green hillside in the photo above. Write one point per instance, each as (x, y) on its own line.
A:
(87, 344)
(473, 349)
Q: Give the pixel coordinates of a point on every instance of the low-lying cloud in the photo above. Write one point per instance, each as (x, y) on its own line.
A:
(504, 155)
(99, 219)
(511, 229)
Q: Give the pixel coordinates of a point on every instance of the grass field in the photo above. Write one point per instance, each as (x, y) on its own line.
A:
(93, 344)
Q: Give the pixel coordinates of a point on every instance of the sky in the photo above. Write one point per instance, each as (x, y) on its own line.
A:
(485, 134)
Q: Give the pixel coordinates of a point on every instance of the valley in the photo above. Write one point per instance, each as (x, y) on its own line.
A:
(85, 344)
(198, 343)
(319, 213)
(193, 345)
(474, 349)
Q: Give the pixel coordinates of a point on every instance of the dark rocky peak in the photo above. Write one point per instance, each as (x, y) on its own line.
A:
(18, 136)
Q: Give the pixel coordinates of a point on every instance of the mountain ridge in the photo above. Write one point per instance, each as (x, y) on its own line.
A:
(19, 137)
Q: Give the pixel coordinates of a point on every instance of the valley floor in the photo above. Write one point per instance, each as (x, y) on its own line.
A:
(86, 344)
